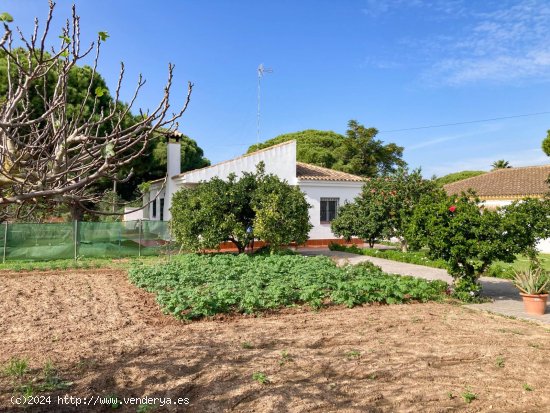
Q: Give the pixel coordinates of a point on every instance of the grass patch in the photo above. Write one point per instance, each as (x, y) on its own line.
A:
(411, 257)
(353, 354)
(80, 263)
(194, 286)
(260, 377)
(27, 382)
(16, 367)
(498, 269)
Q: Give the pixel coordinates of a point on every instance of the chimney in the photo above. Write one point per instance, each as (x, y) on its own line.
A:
(173, 158)
(173, 167)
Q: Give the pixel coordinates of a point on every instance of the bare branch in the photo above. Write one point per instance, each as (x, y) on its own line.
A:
(55, 153)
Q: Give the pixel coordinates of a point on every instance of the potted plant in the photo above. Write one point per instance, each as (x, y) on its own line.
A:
(533, 285)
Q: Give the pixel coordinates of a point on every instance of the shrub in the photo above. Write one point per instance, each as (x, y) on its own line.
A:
(194, 286)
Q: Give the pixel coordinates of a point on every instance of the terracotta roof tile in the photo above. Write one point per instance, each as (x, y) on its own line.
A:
(307, 172)
(509, 182)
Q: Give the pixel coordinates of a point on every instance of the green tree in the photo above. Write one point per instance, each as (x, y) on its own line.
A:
(358, 152)
(364, 218)
(152, 165)
(384, 207)
(527, 221)
(457, 176)
(281, 213)
(460, 231)
(501, 164)
(239, 210)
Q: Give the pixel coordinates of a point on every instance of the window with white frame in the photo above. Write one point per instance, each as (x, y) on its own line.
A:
(329, 209)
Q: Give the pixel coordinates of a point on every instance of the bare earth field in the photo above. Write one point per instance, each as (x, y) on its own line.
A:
(108, 337)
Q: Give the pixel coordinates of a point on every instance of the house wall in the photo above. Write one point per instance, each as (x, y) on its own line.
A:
(315, 190)
(130, 214)
(279, 160)
(148, 211)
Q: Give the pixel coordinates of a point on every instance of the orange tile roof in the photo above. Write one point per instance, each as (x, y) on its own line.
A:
(308, 172)
(506, 183)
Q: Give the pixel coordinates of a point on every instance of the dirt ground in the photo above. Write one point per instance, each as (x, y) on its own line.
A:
(109, 338)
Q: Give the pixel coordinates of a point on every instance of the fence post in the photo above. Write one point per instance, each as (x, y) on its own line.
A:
(170, 241)
(75, 238)
(5, 241)
(139, 244)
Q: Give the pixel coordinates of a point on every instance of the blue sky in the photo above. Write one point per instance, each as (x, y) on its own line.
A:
(392, 64)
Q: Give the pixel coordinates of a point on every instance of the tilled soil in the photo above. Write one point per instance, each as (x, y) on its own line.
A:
(107, 337)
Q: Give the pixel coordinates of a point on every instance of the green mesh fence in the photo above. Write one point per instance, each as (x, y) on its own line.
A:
(84, 239)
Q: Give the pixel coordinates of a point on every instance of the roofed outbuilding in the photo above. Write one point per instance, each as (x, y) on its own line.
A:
(506, 183)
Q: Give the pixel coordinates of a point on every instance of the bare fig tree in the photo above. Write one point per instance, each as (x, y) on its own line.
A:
(56, 155)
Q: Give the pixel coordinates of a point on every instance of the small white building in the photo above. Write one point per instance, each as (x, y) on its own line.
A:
(325, 189)
(501, 187)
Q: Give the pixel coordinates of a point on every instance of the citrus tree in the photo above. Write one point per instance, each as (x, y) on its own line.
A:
(239, 210)
(384, 207)
(469, 237)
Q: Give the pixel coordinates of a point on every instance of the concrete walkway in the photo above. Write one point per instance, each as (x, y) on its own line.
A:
(506, 299)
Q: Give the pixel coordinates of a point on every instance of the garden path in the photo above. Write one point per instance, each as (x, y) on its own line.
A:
(505, 298)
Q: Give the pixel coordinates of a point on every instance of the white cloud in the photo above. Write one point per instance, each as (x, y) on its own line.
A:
(509, 42)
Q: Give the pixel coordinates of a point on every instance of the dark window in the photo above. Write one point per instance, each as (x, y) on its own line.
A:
(329, 209)
(154, 208)
(161, 207)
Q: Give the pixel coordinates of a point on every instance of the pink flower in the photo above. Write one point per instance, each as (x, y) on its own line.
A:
(452, 208)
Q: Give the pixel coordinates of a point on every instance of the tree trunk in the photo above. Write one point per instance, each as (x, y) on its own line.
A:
(404, 246)
(371, 243)
(77, 213)
(240, 247)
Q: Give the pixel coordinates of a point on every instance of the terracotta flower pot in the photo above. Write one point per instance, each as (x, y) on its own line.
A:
(535, 304)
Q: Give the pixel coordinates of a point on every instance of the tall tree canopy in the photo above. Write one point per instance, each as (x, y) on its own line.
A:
(154, 162)
(457, 176)
(501, 164)
(359, 152)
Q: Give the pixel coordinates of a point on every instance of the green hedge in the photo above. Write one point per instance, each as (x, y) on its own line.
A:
(194, 286)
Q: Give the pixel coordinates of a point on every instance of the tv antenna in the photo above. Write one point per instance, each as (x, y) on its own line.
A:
(261, 71)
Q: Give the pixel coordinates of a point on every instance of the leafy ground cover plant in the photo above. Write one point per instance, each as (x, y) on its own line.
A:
(194, 286)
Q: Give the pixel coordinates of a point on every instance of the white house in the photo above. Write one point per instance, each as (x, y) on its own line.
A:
(501, 187)
(325, 189)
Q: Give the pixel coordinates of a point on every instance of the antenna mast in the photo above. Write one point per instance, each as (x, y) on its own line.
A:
(261, 71)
